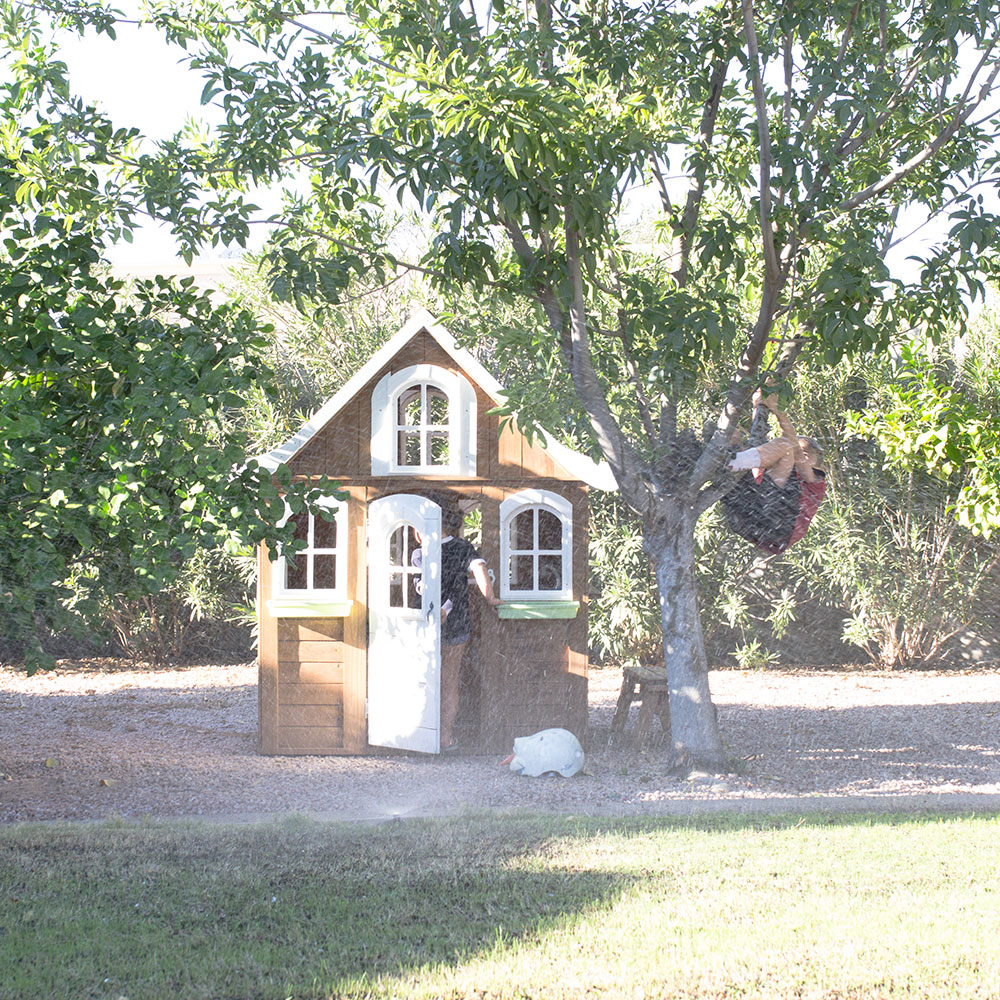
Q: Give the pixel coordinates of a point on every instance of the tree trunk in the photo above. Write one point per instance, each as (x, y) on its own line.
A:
(669, 543)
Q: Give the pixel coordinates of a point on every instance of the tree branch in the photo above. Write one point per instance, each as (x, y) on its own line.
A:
(645, 410)
(760, 103)
(883, 24)
(696, 190)
(625, 463)
(662, 184)
(369, 252)
(821, 100)
(741, 387)
(925, 154)
(930, 218)
(789, 67)
(544, 294)
(916, 70)
(668, 423)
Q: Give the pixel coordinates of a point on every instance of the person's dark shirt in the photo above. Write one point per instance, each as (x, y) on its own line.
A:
(457, 555)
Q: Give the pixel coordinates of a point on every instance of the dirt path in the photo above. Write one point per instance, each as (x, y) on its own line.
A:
(85, 743)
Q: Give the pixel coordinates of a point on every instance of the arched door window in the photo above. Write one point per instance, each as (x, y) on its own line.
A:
(405, 570)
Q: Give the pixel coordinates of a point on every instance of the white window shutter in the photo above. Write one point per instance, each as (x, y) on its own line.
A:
(465, 431)
(382, 445)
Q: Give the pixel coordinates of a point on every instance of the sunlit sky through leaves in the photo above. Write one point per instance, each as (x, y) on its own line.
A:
(139, 80)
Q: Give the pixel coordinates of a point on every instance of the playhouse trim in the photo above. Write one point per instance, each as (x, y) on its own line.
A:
(286, 607)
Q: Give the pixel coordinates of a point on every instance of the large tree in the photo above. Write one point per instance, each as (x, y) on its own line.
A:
(780, 141)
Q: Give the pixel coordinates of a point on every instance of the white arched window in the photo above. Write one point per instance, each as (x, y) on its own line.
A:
(536, 547)
(313, 579)
(423, 420)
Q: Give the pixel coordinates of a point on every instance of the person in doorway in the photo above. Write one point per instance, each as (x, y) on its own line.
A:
(458, 558)
(782, 486)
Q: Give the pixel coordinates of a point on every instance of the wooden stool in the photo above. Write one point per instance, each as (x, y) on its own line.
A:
(648, 685)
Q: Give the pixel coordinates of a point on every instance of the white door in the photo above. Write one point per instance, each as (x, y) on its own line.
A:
(404, 623)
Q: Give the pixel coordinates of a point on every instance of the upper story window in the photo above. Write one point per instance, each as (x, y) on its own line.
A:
(536, 547)
(319, 570)
(423, 427)
(423, 421)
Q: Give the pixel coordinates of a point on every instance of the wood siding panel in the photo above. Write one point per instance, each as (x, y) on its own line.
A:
(508, 449)
(335, 450)
(312, 694)
(318, 716)
(492, 634)
(362, 417)
(294, 672)
(534, 672)
(536, 461)
(318, 652)
(486, 435)
(311, 629)
(311, 739)
(578, 643)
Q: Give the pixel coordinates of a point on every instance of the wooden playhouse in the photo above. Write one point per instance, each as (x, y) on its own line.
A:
(349, 646)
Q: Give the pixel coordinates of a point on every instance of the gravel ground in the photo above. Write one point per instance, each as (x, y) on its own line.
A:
(89, 741)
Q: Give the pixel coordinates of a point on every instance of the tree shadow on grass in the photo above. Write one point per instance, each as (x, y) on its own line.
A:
(295, 908)
(307, 909)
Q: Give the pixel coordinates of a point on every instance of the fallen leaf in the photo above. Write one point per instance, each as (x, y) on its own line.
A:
(52, 762)
(107, 782)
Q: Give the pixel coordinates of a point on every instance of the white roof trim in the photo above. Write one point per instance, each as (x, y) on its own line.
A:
(580, 466)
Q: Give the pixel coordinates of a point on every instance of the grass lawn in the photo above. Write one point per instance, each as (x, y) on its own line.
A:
(514, 907)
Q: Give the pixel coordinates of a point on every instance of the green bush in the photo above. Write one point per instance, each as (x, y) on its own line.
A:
(891, 547)
(624, 603)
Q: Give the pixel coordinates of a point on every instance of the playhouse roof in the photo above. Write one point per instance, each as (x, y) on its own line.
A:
(596, 474)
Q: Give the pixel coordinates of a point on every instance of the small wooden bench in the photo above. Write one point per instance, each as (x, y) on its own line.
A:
(648, 686)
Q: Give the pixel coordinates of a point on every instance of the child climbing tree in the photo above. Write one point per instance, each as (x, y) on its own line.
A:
(773, 505)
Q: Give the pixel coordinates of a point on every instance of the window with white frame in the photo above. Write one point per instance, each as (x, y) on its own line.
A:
(422, 428)
(405, 569)
(536, 547)
(319, 570)
(423, 420)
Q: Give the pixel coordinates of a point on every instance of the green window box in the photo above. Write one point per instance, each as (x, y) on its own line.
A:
(538, 609)
(291, 607)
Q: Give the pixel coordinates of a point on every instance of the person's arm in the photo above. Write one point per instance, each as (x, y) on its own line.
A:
(484, 583)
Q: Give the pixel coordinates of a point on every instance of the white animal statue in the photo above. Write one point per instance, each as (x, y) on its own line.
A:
(551, 751)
